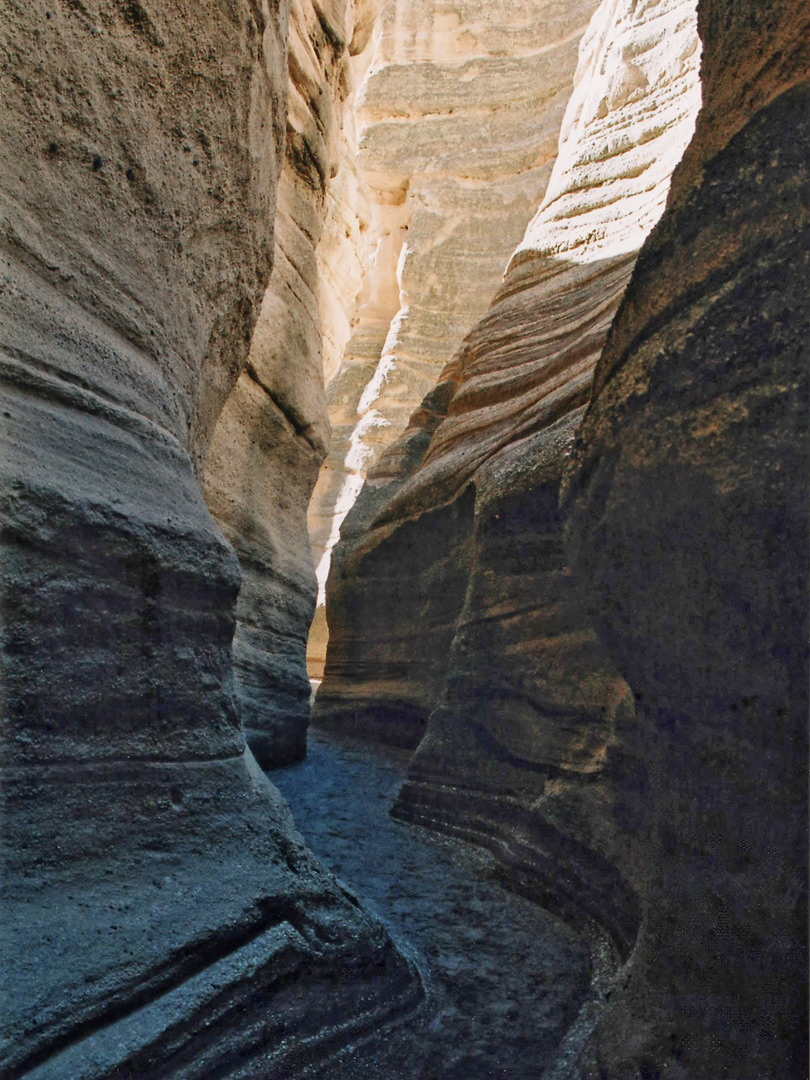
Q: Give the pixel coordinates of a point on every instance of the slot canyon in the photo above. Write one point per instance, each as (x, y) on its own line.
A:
(405, 529)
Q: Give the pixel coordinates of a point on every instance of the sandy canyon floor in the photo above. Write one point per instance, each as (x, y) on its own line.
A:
(504, 978)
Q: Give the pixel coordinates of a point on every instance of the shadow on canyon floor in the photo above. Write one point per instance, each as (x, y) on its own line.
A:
(505, 979)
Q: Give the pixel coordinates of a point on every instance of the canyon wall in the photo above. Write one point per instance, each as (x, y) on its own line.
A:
(456, 125)
(687, 506)
(160, 916)
(273, 432)
(407, 568)
(476, 619)
(532, 747)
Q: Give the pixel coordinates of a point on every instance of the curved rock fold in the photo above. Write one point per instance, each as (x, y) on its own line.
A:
(456, 624)
(160, 915)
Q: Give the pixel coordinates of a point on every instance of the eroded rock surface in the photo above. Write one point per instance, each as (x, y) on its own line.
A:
(688, 540)
(160, 916)
(457, 121)
(273, 433)
(686, 516)
(453, 613)
(533, 744)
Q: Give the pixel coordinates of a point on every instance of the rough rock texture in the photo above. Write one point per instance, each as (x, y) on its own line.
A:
(457, 123)
(533, 747)
(688, 511)
(452, 610)
(159, 915)
(449, 587)
(274, 430)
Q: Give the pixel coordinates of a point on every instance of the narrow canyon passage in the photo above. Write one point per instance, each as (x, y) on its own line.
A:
(504, 978)
(451, 354)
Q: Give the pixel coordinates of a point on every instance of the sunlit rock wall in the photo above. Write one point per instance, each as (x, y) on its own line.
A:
(457, 119)
(159, 915)
(688, 514)
(274, 430)
(450, 596)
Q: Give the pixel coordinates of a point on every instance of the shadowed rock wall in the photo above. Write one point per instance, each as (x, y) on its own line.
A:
(529, 740)
(274, 430)
(687, 521)
(160, 916)
(688, 510)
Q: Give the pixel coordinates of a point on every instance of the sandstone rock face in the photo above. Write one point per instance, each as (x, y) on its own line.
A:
(274, 430)
(453, 613)
(457, 122)
(160, 917)
(685, 514)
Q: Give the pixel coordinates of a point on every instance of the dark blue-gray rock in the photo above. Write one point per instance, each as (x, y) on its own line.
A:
(160, 915)
(455, 621)
(688, 512)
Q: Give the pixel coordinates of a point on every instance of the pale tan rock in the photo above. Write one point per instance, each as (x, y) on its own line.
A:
(530, 360)
(274, 430)
(625, 129)
(458, 119)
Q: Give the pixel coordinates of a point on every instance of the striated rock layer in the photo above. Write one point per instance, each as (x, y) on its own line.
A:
(457, 119)
(455, 621)
(274, 429)
(160, 916)
(688, 511)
